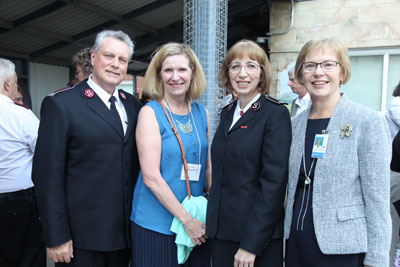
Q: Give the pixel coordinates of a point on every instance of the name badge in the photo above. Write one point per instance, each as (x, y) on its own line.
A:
(319, 147)
(193, 172)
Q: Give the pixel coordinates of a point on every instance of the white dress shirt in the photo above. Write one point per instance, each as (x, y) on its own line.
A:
(302, 104)
(18, 134)
(236, 114)
(105, 97)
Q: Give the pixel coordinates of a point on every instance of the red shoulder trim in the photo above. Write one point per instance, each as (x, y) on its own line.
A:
(60, 90)
(18, 104)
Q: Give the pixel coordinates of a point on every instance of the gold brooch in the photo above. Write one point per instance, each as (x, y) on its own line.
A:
(346, 130)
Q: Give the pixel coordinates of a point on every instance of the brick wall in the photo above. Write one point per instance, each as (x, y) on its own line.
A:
(358, 23)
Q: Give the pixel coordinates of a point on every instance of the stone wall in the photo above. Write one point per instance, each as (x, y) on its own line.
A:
(358, 23)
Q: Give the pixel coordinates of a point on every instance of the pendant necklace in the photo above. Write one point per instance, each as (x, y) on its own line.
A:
(184, 127)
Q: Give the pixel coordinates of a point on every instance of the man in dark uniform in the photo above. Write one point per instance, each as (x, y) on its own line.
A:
(86, 164)
(20, 229)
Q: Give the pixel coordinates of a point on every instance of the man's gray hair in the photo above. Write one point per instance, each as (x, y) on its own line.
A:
(290, 71)
(7, 70)
(120, 35)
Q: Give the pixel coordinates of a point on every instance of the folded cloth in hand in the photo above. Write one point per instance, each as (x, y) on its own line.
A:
(197, 208)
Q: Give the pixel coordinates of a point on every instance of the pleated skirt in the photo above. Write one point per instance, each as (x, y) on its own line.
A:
(153, 249)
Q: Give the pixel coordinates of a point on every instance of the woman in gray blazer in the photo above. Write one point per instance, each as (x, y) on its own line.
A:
(339, 187)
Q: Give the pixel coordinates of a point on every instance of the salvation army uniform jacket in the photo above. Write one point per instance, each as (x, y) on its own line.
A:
(84, 169)
(250, 169)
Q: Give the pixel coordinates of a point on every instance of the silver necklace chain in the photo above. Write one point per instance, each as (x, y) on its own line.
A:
(184, 127)
(307, 183)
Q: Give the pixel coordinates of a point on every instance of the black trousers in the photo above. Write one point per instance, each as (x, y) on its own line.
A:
(20, 231)
(90, 258)
(223, 253)
(152, 249)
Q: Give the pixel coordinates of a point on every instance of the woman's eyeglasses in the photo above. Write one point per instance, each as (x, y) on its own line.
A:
(250, 67)
(326, 65)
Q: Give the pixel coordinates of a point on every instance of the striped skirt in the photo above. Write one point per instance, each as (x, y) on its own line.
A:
(152, 249)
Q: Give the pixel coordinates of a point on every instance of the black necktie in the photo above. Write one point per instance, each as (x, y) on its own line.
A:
(114, 111)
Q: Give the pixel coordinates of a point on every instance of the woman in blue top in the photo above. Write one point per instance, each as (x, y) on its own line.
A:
(174, 77)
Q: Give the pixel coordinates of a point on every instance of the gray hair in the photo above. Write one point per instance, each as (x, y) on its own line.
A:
(119, 35)
(7, 70)
(290, 71)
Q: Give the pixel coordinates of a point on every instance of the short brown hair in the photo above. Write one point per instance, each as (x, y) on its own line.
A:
(255, 52)
(153, 86)
(335, 45)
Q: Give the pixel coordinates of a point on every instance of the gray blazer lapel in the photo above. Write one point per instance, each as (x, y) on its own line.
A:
(299, 126)
(339, 115)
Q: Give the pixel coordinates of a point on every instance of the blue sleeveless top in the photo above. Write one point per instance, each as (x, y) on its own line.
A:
(147, 211)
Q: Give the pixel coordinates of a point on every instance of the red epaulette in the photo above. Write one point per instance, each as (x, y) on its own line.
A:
(60, 90)
(18, 104)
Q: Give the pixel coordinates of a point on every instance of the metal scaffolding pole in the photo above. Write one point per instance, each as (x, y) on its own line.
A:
(205, 30)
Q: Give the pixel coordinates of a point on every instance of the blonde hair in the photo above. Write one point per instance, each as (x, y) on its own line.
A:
(153, 85)
(255, 52)
(333, 44)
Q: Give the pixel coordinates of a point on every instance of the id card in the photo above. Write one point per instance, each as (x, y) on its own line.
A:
(319, 147)
(193, 172)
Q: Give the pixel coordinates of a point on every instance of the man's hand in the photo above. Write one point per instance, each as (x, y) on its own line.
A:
(61, 253)
(244, 258)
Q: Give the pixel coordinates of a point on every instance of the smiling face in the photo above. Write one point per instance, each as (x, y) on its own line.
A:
(176, 75)
(322, 84)
(243, 83)
(110, 63)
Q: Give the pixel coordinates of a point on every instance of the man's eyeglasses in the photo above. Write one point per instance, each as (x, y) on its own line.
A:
(326, 65)
(250, 67)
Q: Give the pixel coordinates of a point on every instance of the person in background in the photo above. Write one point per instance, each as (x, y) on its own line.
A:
(23, 96)
(174, 79)
(73, 82)
(337, 211)
(86, 163)
(249, 153)
(393, 113)
(81, 61)
(20, 229)
(19, 98)
(303, 101)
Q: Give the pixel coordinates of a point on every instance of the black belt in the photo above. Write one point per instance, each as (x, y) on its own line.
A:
(20, 193)
(301, 185)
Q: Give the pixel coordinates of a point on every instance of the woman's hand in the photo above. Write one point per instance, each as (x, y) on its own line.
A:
(196, 230)
(244, 258)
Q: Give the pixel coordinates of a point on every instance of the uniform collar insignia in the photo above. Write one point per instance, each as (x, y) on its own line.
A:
(89, 93)
(122, 95)
(229, 107)
(255, 106)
